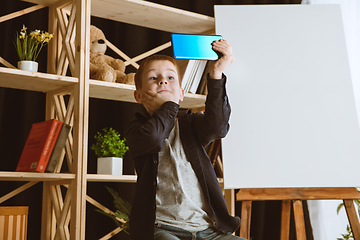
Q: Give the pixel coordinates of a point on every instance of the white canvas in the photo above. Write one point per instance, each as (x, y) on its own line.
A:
(294, 121)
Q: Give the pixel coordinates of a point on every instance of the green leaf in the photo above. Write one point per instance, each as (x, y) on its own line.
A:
(109, 144)
(339, 207)
(119, 203)
(122, 215)
(122, 212)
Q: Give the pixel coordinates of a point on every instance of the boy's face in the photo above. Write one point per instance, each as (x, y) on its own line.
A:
(160, 77)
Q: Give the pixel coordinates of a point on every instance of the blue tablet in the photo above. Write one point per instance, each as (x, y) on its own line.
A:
(194, 46)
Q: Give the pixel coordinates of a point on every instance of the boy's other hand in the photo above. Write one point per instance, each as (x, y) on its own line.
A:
(152, 101)
(217, 67)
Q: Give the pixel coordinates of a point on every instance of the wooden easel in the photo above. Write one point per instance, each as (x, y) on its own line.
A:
(295, 196)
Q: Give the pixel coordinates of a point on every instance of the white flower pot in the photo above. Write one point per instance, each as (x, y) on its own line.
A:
(110, 165)
(28, 66)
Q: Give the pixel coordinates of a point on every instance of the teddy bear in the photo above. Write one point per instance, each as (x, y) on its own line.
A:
(102, 66)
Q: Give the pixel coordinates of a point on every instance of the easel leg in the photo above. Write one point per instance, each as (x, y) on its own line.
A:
(285, 220)
(230, 200)
(353, 219)
(245, 219)
(299, 220)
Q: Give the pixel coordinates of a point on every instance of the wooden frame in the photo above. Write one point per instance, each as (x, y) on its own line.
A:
(295, 196)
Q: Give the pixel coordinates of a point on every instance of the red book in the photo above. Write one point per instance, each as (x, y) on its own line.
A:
(39, 146)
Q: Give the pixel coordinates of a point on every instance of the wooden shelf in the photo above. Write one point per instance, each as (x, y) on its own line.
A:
(125, 93)
(43, 82)
(147, 14)
(33, 81)
(111, 178)
(34, 176)
(111, 91)
(193, 101)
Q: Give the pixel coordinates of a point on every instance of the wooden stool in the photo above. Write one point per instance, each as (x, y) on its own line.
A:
(13, 223)
(295, 196)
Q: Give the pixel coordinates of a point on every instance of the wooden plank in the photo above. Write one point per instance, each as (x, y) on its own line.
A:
(111, 91)
(152, 15)
(33, 176)
(111, 178)
(52, 46)
(229, 195)
(254, 194)
(125, 93)
(148, 14)
(46, 217)
(18, 79)
(6, 63)
(22, 210)
(6, 227)
(102, 207)
(353, 218)
(20, 13)
(147, 54)
(62, 224)
(111, 234)
(245, 219)
(121, 54)
(285, 220)
(57, 201)
(299, 220)
(68, 38)
(33, 81)
(17, 191)
(81, 115)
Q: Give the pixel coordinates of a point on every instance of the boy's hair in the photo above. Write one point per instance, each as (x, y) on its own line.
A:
(158, 57)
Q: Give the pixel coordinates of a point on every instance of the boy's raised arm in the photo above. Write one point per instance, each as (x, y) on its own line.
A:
(217, 67)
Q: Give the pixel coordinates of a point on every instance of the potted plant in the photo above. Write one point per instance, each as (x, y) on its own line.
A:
(109, 149)
(28, 47)
(122, 213)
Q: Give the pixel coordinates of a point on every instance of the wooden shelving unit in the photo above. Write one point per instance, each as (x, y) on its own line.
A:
(70, 50)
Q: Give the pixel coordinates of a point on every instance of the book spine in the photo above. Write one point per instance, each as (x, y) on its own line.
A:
(49, 146)
(58, 150)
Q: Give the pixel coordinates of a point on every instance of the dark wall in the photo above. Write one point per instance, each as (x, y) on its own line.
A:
(20, 109)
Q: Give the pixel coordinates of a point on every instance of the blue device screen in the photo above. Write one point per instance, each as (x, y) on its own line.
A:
(194, 46)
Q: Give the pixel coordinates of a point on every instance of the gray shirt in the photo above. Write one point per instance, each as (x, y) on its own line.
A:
(179, 198)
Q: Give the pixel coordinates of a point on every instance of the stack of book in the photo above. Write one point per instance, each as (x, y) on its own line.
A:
(193, 77)
(44, 146)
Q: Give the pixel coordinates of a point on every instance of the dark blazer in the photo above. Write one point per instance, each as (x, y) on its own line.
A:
(145, 138)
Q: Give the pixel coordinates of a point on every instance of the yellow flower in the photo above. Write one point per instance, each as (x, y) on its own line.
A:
(24, 29)
(22, 35)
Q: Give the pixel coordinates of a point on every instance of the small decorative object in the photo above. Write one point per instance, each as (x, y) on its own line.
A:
(28, 47)
(123, 209)
(104, 67)
(109, 149)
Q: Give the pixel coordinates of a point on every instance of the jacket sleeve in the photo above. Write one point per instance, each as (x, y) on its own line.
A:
(214, 122)
(147, 136)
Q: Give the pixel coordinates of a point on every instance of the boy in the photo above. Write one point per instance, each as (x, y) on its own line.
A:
(178, 195)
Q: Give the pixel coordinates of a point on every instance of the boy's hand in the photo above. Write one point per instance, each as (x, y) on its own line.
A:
(152, 101)
(217, 67)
